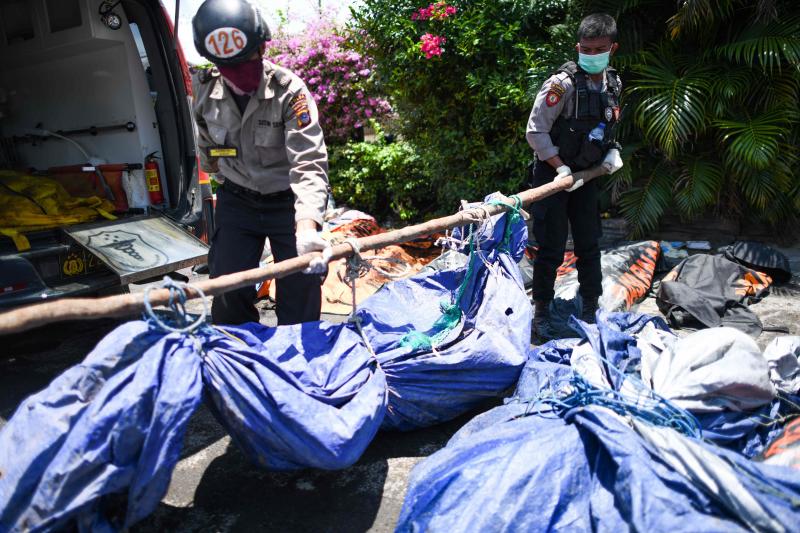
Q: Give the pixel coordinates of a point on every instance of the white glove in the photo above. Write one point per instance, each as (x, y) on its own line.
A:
(564, 172)
(612, 161)
(310, 241)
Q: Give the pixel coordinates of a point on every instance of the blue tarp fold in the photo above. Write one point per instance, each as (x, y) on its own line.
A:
(112, 425)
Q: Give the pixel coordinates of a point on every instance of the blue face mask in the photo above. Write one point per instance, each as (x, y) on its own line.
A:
(595, 63)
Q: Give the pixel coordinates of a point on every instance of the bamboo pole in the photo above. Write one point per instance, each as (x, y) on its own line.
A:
(127, 305)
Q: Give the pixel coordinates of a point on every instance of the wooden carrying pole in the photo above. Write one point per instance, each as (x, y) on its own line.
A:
(126, 305)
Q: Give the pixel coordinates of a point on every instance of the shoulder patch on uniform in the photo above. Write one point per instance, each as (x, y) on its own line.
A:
(554, 94)
(299, 105)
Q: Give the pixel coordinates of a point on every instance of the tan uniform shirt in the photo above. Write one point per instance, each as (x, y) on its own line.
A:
(555, 99)
(278, 140)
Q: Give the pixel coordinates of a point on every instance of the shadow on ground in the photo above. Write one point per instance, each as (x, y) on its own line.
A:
(234, 495)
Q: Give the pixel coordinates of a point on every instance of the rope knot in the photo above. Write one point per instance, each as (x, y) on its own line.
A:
(178, 319)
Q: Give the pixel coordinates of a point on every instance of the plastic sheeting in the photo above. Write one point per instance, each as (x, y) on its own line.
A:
(785, 449)
(707, 291)
(713, 370)
(628, 272)
(760, 257)
(783, 356)
(591, 471)
(532, 466)
(108, 432)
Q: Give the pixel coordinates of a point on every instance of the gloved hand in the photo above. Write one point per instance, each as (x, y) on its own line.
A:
(612, 161)
(564, 172)
(308, 240)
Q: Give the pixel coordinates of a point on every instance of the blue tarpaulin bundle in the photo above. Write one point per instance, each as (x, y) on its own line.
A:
(558, 458)
(106, 434)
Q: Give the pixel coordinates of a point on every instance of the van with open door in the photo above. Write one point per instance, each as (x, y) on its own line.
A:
(99, 181)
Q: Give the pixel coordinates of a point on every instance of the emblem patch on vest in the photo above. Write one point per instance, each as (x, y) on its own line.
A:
(609, 114)
(554, 94)
(300, 107)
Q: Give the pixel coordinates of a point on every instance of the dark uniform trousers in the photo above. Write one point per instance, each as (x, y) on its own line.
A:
(243, 221)
(552, 218)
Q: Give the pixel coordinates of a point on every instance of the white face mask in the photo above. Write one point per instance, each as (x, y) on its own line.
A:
(594, 63)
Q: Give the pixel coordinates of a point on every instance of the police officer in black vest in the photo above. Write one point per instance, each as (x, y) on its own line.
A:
(572, 128)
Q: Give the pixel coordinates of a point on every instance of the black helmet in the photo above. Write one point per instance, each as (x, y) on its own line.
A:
(228, 31)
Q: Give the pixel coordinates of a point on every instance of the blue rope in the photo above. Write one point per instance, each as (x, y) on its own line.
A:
(180, 319)
(647, 406)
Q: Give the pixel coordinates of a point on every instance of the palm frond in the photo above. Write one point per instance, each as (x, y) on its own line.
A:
(732, 84)
(673, 102)
(777, 89)
(699, 182)
(766, 10)
(620, 181)
(766, 44)
(643, 206)
(754, 140)
(694, 14)
(759, 187)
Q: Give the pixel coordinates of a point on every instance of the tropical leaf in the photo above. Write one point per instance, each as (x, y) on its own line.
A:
(733, 85)
(766, 44)
(643, 206)
(754, 140)
(759, 187)
(620, 181)
(775, 90)
(673, 101)
(695, 14)
(784, 208)
(700, 180)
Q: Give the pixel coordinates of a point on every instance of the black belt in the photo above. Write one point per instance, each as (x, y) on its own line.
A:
(238, 190)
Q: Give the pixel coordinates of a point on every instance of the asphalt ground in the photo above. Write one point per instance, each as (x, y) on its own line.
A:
(215, 488)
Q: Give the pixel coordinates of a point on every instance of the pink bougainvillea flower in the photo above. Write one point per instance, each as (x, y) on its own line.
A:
(436, 11)
(431, 45)
(338, 78)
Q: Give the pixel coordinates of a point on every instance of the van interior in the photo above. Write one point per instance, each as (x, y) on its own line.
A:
(94, 94)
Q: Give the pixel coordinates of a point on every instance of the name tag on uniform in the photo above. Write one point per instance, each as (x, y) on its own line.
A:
(223, 151)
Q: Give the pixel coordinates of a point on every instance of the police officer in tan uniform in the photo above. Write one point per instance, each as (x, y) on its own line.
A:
(259, 134)
(571, 128)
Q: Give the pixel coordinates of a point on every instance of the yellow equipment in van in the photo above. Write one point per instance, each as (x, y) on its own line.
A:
(30, 203)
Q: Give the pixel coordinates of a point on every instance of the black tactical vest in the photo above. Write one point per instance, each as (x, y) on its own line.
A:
(571, 134)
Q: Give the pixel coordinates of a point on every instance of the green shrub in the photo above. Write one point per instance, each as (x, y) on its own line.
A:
(464, 103)
(383, 178)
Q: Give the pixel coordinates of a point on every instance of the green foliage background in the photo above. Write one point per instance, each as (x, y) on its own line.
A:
(710, 119)
(712, 101)
(463, 114)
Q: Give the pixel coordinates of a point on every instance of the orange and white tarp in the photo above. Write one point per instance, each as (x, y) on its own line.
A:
(397, 261)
